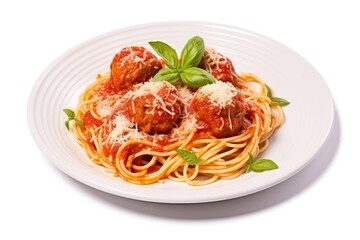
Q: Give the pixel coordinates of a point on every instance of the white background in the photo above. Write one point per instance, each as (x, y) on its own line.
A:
(38, 201)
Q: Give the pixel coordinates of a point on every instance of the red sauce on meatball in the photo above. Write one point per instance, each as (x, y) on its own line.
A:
(155, 110)
(224, 119)
(219, 66)
(132, 65)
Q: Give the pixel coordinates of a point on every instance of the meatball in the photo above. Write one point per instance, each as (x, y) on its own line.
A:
(154, 107)
(132, 65)
(220, 109)
(219, 66)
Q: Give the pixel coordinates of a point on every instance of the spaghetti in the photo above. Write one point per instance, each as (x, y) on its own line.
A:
(133, 126)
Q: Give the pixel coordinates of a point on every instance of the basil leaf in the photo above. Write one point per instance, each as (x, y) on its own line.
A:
(279, 101)
(263, 165)
(67, 125)
(276, 100)
(249, 163)
(189, 156)
(166, 52)
(78, 122)
(70, 113)
(196, 77)
(166, 74)
(269, 93)
(71, 116)
(192, 52)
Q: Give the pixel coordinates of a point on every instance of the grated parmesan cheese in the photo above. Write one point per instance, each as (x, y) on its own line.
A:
(104, 108)
(153, 88)
(185, 94)
(219, 93)
(123, 130)
(135, 55)
(213, 60)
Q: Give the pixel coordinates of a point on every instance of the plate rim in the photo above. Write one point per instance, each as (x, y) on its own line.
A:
(42, 77)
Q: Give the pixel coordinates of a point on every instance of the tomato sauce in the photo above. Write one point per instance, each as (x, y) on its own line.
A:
(89, 120)
(89, 141)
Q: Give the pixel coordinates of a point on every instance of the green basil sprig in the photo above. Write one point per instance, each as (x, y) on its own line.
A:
(189, 157)
(196, 77)
(192, 52)
(71, 116)
(186, 70)
(167, 53)
(166, 74)
(276, 100)
(260, 165)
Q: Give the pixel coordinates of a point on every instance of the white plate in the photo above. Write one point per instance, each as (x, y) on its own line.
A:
(309, 117)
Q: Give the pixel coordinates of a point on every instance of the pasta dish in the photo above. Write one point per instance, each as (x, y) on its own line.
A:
(190, 118)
